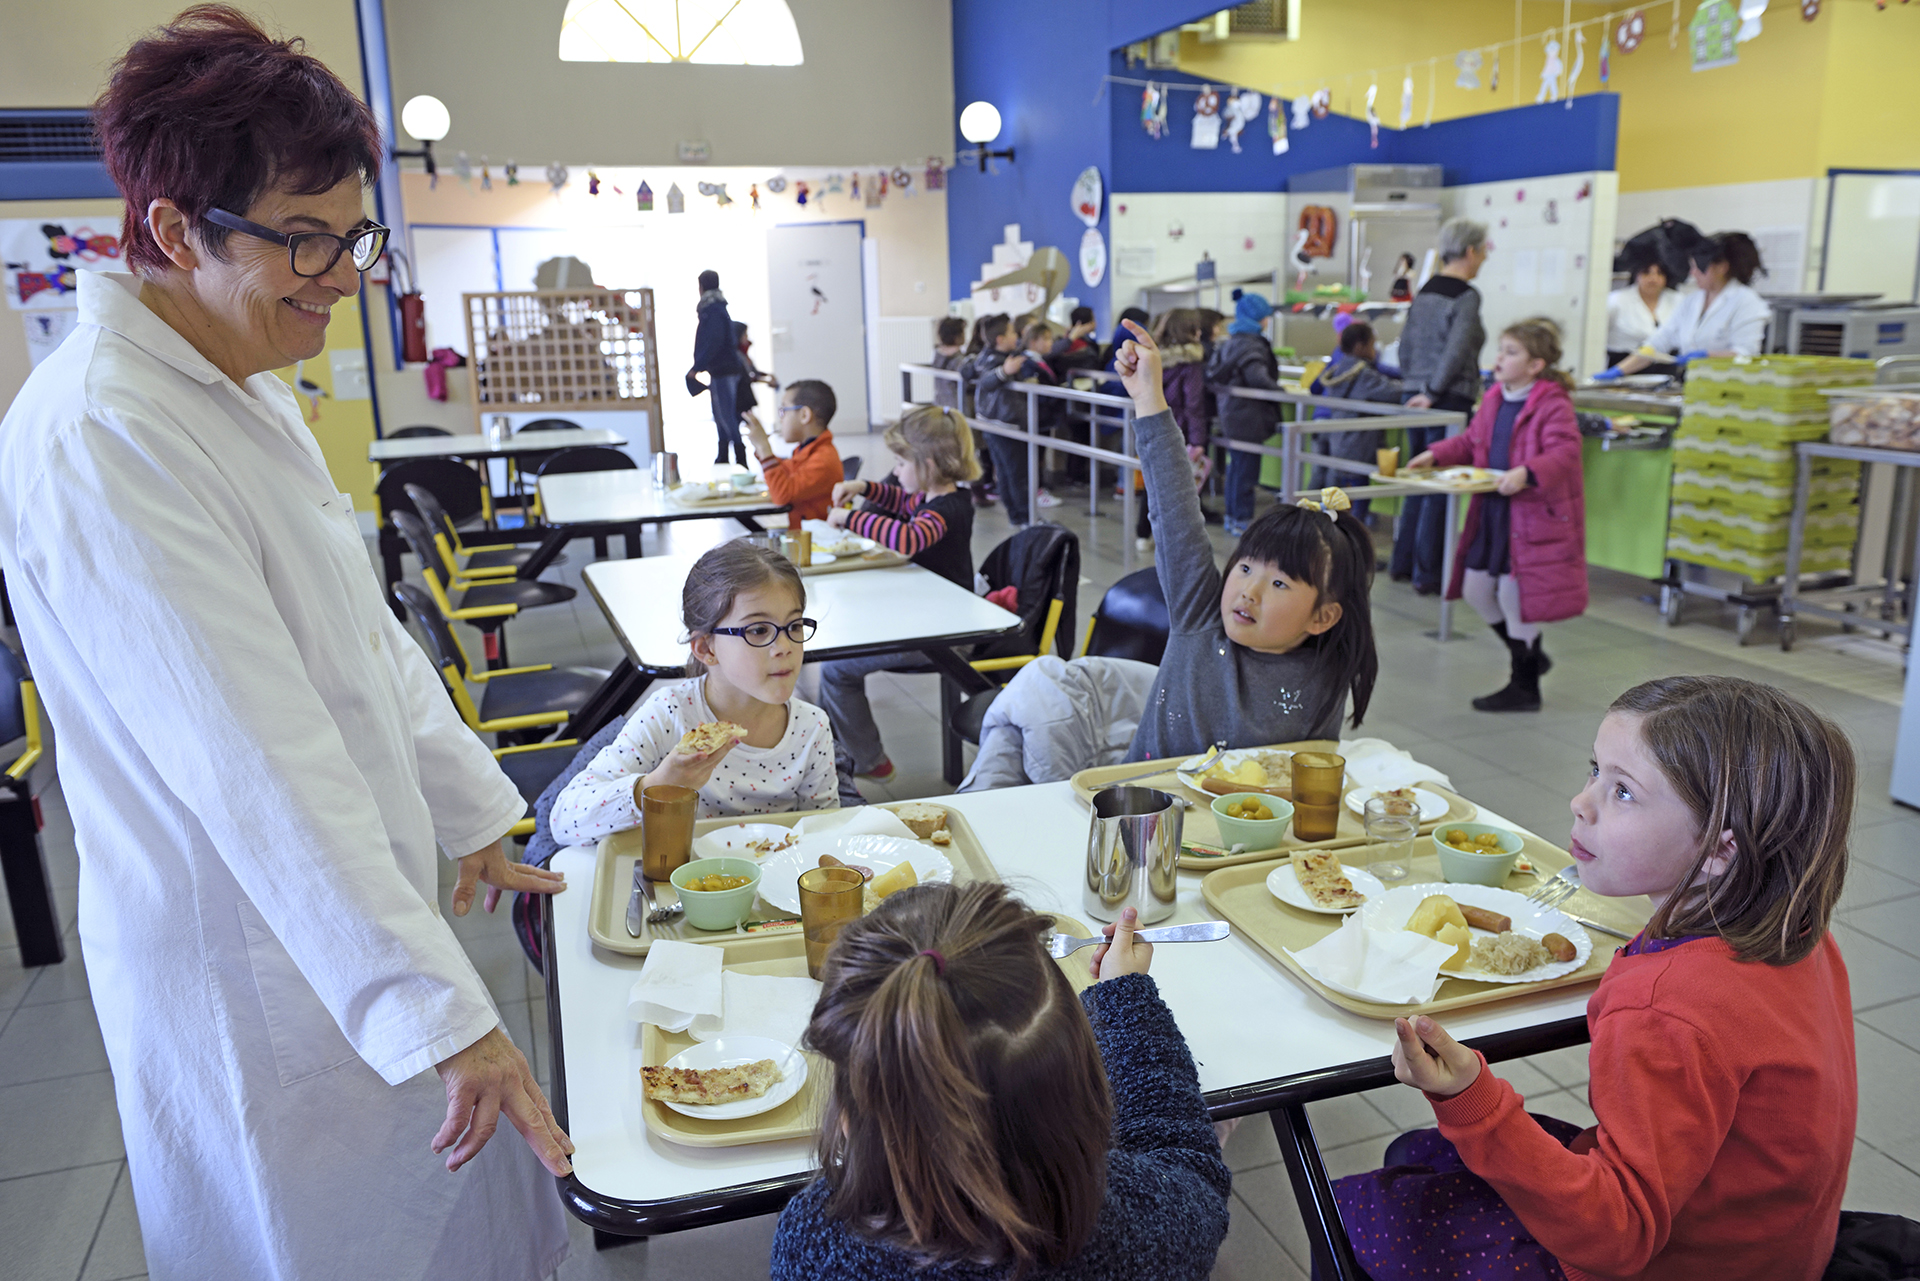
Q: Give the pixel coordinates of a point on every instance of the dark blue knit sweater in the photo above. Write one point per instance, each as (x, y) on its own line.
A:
(1167, 1188)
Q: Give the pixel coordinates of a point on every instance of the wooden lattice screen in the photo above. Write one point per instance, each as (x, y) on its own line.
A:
(563, 349)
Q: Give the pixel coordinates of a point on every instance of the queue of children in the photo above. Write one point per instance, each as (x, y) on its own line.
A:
(983, 1122)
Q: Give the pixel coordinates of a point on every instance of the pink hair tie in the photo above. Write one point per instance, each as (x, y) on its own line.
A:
(939, 962)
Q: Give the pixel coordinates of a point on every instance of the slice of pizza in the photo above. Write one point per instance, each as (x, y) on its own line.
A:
(710, 737)
(1324, 881)
(707, 1086)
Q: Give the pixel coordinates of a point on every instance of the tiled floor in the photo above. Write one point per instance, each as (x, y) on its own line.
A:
(66, 1211)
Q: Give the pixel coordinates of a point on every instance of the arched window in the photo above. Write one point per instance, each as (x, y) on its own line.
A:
(756, 33)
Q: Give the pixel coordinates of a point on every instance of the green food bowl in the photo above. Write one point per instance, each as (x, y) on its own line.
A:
(1490, 868)
(1253, 833)
(717, 909)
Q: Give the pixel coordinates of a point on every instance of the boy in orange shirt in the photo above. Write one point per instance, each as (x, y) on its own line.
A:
(807, 477)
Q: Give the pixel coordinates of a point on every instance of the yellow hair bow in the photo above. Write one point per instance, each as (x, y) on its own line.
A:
(1332, 500)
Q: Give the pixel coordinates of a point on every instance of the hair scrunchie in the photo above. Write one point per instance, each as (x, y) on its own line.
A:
(1332, 501)
(939, 962)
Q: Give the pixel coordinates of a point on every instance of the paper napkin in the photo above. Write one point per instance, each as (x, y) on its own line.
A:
(1393, 967)
(760, 1005)
(678, 982)
(1374, 762)
(863, 820)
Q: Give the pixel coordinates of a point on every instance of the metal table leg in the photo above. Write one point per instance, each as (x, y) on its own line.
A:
(1449, 548)
(1332, 1252)
(1796, 545)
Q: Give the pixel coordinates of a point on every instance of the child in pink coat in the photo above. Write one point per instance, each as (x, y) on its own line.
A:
(1524, 550)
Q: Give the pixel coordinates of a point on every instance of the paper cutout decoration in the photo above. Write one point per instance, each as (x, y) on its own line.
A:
(1175, 230)
(1206, 120)
(1322, 103)
(753, 193)
(800, 194)
(1550, 73)
(463, 168)
(1552, 212)
(876, 190)
(902, 181)
(1493, 81)
(1153, 110)
(1606, 50)
(1277, 126)
(556, 176)
(718, 190)
(1241, 109)
(1373, 117)
(855, 192)
(1466, 66)
(593, 184)
(836, 185)
(1750, 11)
(1406, 101)
(1087, 193)
(1632, 30)
(513, 173)
(1579, 61)
(1303, 111)
(643, 198)
(1322, 228)
(1093, 257)
(486, 175)
(676, 199)
(1710, 35)
(936, 175)
(777, 183)
(1809, 10)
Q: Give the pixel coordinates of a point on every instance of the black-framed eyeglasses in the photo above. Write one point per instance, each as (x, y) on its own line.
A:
(313, 253)
(761, 635)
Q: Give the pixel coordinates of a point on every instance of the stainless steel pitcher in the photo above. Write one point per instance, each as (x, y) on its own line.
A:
(1133, 850)
(666, 470)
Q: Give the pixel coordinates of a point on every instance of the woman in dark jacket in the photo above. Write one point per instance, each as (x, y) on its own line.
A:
(716, 355)
(1440, 366)
(1245, 359)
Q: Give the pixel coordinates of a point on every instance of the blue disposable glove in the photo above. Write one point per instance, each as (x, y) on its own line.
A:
(1612, 375)
(1692, 355)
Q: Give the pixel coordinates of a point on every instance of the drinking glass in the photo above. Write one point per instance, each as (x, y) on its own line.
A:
(1317, 780)
(1391, 829)
(667, 814)
(829, 898)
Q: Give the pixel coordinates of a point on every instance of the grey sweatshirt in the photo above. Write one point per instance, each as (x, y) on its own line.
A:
(1440, 347)
(1209, 687)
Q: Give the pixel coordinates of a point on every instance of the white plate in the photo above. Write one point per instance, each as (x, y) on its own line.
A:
(818, 557)
(733, 1051)
(1284, 885)
(842, 544)
(780, 877)
(732, 842)
(1432, 806)
(1391, 911)
(1463, 476)
(1191, 770)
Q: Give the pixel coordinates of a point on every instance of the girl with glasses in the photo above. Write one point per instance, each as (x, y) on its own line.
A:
(744, 608)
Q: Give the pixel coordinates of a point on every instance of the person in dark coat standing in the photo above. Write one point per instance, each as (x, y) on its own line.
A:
(1245, 359)
(716, 354)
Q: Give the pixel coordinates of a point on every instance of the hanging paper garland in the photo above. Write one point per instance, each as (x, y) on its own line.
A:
(643, 198)
(1373, 117)
(1093, 257)
(1809, 10)
(1606, 51)
(486, 175)
(936, 175)
(1466, 65)
(718, 190)
(1153, 110)
(593, 183)
(1632, 30)
(1277, 126)
(1302, 111)
(1206, 120)
(1088, 190)
(1406, 100)
(800, 194)
(753, 194)
(1750, 11)
(1323, 103)
(513, 174)
(1579, 61)
(1241, 110)
(1550, 73)
(556, 176)
(777, 183)
(1493, 81)
(903, 181)
(463, 168)
(1710, 35)
(676, 199)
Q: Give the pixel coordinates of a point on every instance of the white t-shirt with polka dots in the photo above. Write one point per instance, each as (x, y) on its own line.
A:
(794, 774)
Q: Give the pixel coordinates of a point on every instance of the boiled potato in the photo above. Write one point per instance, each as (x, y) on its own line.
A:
(1251, 772)
(1435, 911)
(899, 877)
(1460, 939)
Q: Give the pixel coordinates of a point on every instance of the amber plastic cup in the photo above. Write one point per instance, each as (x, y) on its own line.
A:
(1317, 781)
(1387, 461)
(667, 813)
(829, 898)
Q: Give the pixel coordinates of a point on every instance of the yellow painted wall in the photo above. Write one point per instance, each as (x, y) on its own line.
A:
(1836, 92)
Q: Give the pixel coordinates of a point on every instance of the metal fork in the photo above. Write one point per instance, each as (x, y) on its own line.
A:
(1212, 753)
(1061, 945)
(1558, 888)
(656, 915)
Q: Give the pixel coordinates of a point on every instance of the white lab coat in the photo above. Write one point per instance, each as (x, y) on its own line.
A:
(1631, 322)
(259, 762)
(1737, 322)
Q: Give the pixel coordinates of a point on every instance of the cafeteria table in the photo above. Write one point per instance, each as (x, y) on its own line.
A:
(901, 609)
(594, 504)
(1263, 1042)
(394, 449)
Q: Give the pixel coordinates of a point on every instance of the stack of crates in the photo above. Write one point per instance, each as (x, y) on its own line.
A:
(1734, 466)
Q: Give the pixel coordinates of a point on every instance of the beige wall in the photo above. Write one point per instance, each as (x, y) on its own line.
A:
(877, 85)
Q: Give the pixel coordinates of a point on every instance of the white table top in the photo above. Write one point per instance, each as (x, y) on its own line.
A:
(478, 446)
(1244, 1017)
(622, 497)
(904, 607)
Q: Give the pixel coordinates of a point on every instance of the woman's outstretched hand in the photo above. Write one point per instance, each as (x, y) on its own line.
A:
(1138, 364)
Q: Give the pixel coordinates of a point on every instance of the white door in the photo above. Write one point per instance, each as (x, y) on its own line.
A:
(816, 308)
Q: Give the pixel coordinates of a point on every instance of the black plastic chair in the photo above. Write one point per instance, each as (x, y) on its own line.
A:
(525, 465)
(1131, 620)
(487, 606)
(585, 458)
(513, 700)
(418, 430)
(850, 467)
(490, 556)
(455, 484)
(36, 921)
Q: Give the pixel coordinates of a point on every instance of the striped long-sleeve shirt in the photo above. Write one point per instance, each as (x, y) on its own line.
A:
(934, 532)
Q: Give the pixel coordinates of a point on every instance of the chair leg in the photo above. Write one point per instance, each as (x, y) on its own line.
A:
(29, 891)
(952, 750)
(599, 546)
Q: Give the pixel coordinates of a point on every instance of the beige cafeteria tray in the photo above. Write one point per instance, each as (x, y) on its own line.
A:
(613, 882)
(1240, 895)
(1198, 829)
(878, 558)
(784, 955)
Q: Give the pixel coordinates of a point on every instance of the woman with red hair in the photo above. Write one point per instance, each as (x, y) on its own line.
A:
(261, 764)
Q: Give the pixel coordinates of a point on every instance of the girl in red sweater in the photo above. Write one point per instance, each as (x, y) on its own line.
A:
(1722, 1064)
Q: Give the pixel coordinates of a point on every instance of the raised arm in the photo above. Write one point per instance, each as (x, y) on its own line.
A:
(1181, 552)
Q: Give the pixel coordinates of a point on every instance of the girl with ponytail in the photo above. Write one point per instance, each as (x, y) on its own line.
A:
(984, 1123)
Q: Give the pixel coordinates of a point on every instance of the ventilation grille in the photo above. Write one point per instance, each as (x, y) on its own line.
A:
(1821, 340)
(1260, 18)
(31, 137)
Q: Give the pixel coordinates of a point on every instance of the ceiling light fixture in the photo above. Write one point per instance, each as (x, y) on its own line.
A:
(980, 125)
(756, 33)
(427, 120)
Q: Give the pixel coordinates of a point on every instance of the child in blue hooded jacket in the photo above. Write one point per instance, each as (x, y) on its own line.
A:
(1245, 359)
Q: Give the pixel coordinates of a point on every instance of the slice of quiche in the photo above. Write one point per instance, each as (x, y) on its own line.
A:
(1324, 880)
(706, 1086)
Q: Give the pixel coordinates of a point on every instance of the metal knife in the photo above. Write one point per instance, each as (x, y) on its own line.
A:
(636, 909)
(1595, 925)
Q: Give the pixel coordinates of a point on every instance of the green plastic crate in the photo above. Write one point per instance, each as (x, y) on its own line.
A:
(1760, 567)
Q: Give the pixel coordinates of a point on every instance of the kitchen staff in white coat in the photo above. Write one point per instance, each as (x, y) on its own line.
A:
(259, 761)
(1635, 312)
(1723, 316)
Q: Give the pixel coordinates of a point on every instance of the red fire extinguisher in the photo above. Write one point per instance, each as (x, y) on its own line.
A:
(413, 311)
